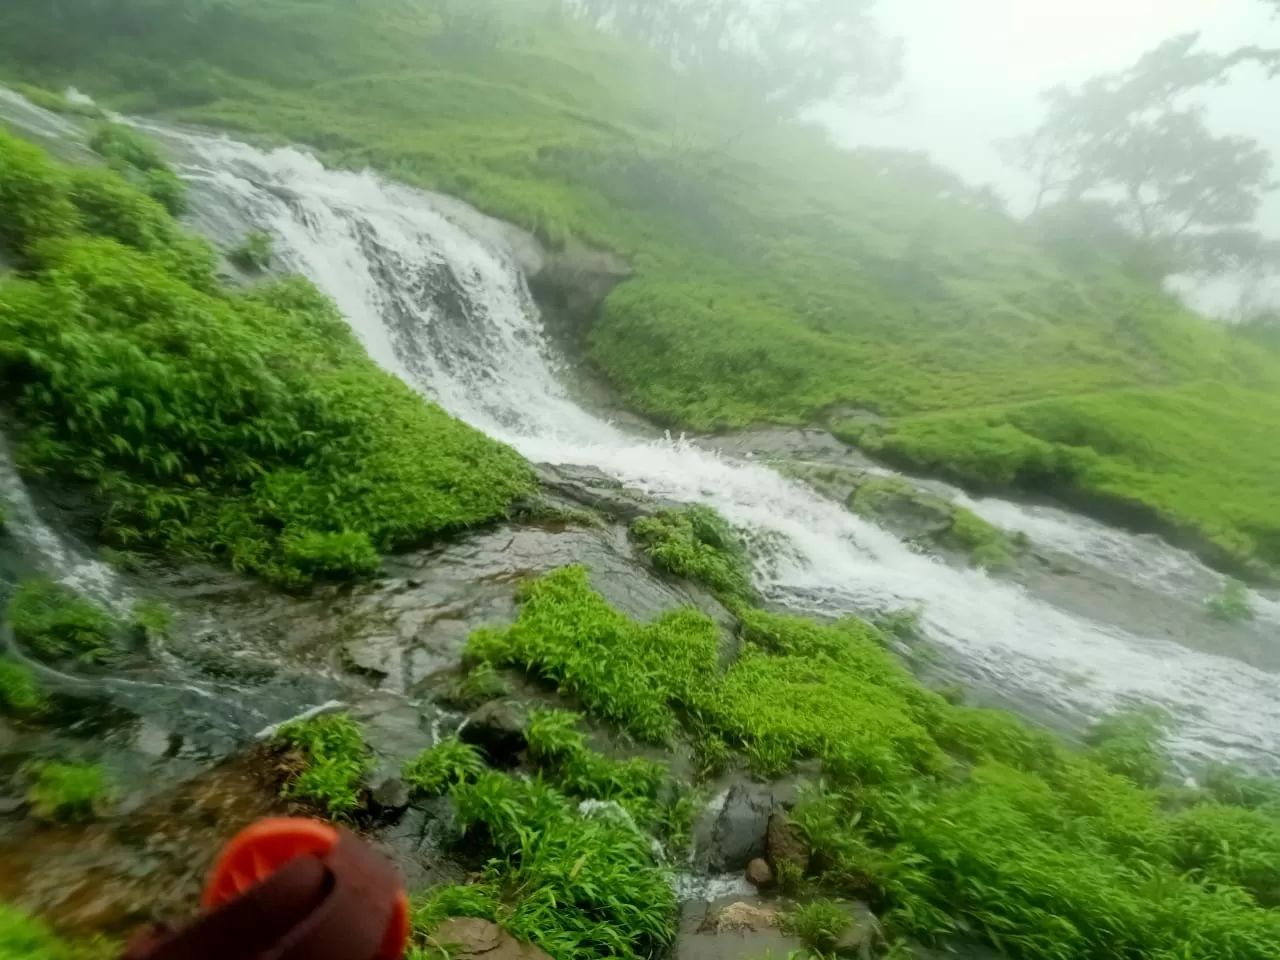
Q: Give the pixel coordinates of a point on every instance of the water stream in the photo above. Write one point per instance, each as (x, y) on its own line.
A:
(439, 302)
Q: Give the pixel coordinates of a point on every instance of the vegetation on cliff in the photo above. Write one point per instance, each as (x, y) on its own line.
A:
(247, 425)
(777, 278)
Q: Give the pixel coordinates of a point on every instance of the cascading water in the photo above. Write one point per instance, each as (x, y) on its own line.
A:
(450, 313)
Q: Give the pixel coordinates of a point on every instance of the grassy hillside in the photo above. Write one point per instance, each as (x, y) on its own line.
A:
(777, 277)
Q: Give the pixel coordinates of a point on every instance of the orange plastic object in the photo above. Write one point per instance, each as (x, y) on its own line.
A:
(260, 850)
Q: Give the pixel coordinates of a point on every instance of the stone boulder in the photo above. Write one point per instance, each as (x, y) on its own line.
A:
(497, 728)
(733, 833)
(467, 938)
(759, 874)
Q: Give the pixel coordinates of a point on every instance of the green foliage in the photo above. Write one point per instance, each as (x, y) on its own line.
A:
(989, 546)
(744, 307)
(819, 925)
(1232, 786)
(1193, 460)
(1232, 604)
(561, 753)
(56, 623)
(1129, 744)
(481, 684)
(698, 544)
(254, 252)
(335, 761)
(19, 690)
(628, 673)
(435, 905)
(441, 768)
(582, 886)
(67, 791)
(25, 938)
(952, 819)
(129, 366)
(133, 156)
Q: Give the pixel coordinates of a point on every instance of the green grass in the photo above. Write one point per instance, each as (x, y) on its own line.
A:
(335, 761)
(23, 937)
(57, 102)
(63, 792)
(696, 543)
(441, 768)
(56, 623)
(777, 278)
(20, 692)
(247, 426)
(945, 818)
(819, 925)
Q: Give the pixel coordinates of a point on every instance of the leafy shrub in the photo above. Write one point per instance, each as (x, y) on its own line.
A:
(254, 252)
(56, 623)
(19, 690)
(335, 762)
(698, 544)
(1232, 604)
(443, 767)
(481, 684)
(1129, 744)
(1232, 786)
(819, 925)
(135, 157)
(67, 791)
(155, 366)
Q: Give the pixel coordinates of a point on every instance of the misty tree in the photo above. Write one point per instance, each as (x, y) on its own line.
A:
(780, 55)
(1134, 149)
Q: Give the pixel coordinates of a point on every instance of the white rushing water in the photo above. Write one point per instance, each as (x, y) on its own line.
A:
(450, 313)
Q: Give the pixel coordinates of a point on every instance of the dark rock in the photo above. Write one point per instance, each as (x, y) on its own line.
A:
(738, 836)
(903, 510)
(864, 936)
(467, 938)
(391, 796)
(497, 728)
(594, 489)
(759, 874)
(787, 844)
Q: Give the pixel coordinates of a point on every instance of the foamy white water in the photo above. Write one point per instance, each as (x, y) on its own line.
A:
(450, 313)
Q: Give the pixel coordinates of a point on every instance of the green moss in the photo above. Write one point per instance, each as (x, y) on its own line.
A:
(1232, 604)
(698, 544)
(334, 763)
(67, 791)
(320, 462)
(19, 690)
(443, 767)
(254, 253)
(56, 623)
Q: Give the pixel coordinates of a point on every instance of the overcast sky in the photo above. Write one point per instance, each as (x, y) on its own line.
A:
(975, 68)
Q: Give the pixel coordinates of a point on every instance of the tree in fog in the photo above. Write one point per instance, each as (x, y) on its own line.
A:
(1132, 148)
(780, 55)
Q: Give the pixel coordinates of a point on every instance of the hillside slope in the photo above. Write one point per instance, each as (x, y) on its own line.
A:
(777, 278)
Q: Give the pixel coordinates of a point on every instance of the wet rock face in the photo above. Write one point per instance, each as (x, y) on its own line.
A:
(728, 837)
(732, 929)
(497, 728)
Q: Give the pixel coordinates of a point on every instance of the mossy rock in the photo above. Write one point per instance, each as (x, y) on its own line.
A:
(927, 519)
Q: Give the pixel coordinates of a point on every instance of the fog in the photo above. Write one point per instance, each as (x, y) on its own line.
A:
(974, 72)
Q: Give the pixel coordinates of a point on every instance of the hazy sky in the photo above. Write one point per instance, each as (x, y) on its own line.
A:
(975, 68)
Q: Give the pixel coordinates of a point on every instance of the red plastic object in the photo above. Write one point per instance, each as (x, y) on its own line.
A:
(260, 850)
